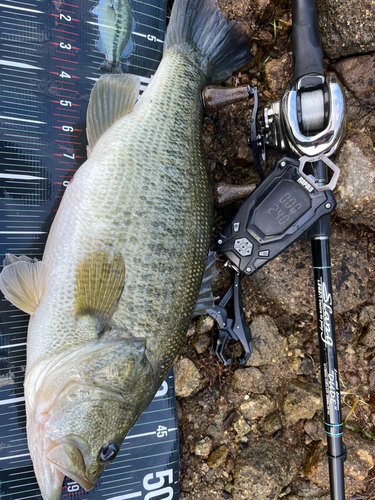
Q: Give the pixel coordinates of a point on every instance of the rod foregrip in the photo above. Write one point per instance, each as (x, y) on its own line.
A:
(306, 43)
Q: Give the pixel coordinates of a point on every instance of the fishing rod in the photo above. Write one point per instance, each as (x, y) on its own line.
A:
(306, 126)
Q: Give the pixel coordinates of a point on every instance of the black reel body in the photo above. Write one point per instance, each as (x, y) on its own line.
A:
(277, 213)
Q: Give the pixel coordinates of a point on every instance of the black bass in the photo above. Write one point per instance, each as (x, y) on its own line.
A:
(116, 23)
(122, 269)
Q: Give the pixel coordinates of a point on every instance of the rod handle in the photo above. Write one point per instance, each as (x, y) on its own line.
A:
(306, 43)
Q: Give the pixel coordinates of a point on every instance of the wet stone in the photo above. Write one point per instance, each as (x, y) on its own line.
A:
(357, 74)
(249, 380)
(302, 401)
(355, 192)
(263, 470)
(257, 406)
(268, 343)
(346, 27)
(187, 378)
(218, 456)
(203, 448)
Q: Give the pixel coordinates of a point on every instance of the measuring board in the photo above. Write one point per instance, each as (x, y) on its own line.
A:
(50, 54)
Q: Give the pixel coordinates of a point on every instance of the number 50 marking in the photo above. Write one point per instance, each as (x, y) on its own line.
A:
(163, 477)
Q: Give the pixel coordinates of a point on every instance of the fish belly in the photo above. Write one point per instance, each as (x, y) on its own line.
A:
(145, 191)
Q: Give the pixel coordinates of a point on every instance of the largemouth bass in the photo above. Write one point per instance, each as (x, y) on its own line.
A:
(122, 269)
(116, 23)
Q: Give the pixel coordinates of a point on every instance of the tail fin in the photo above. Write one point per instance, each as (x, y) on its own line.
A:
(200, 25)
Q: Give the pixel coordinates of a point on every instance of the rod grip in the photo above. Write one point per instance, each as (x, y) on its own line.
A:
(306, 43)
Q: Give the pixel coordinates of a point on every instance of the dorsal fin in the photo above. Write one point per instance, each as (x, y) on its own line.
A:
(22, 281)
(112, 97)
(100, 280)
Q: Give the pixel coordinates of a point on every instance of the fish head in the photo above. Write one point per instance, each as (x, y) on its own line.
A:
(83, 410)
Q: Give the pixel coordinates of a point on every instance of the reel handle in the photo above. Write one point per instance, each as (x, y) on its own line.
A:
(306, 42)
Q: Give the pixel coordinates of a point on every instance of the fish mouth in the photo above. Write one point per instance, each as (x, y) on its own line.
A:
(68, 459)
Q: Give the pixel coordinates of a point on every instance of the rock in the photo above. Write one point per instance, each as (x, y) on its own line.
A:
(368, 337)
(218, 456)
(187, 378)
(359, 461)
(243, 155)
(203, 447)
(262, 470)
(272, 423)
(346, 27)
(249, 380)
(367, 315)
(307, 366)
(315, 430)
(355, 192)
(278, 73)
(205, 324)
(288, 281)
(257, 406)
(302, 401)
(268, 343)
(357, 74)
(262, 8)
(216, 427)
(201, 342)
(241, 427)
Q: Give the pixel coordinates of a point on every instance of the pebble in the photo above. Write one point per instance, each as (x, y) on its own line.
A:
(201, 343)
(218, 456)
(272, 423)
(187, 378)
(257, 406)
(278, 73)
(241, 427)
(203, 448)
(367, 315)
(268, 343)
(302, 401)
(204, 324)
(249, 380)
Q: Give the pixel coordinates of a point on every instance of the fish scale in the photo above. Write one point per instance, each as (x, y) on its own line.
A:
(180, 197)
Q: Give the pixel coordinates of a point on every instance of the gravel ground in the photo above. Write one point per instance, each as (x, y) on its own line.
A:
(256, 431)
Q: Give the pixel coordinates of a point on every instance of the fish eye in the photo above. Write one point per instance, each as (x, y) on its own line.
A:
(108, 452)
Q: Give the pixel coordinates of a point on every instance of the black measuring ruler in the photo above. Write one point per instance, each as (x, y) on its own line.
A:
(50, 54)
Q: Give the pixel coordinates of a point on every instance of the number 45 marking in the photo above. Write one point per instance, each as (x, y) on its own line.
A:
(161, 431)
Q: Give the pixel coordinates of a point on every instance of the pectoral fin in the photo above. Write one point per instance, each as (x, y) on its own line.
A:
(22, 281)
(100, 281)
(112, 97)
